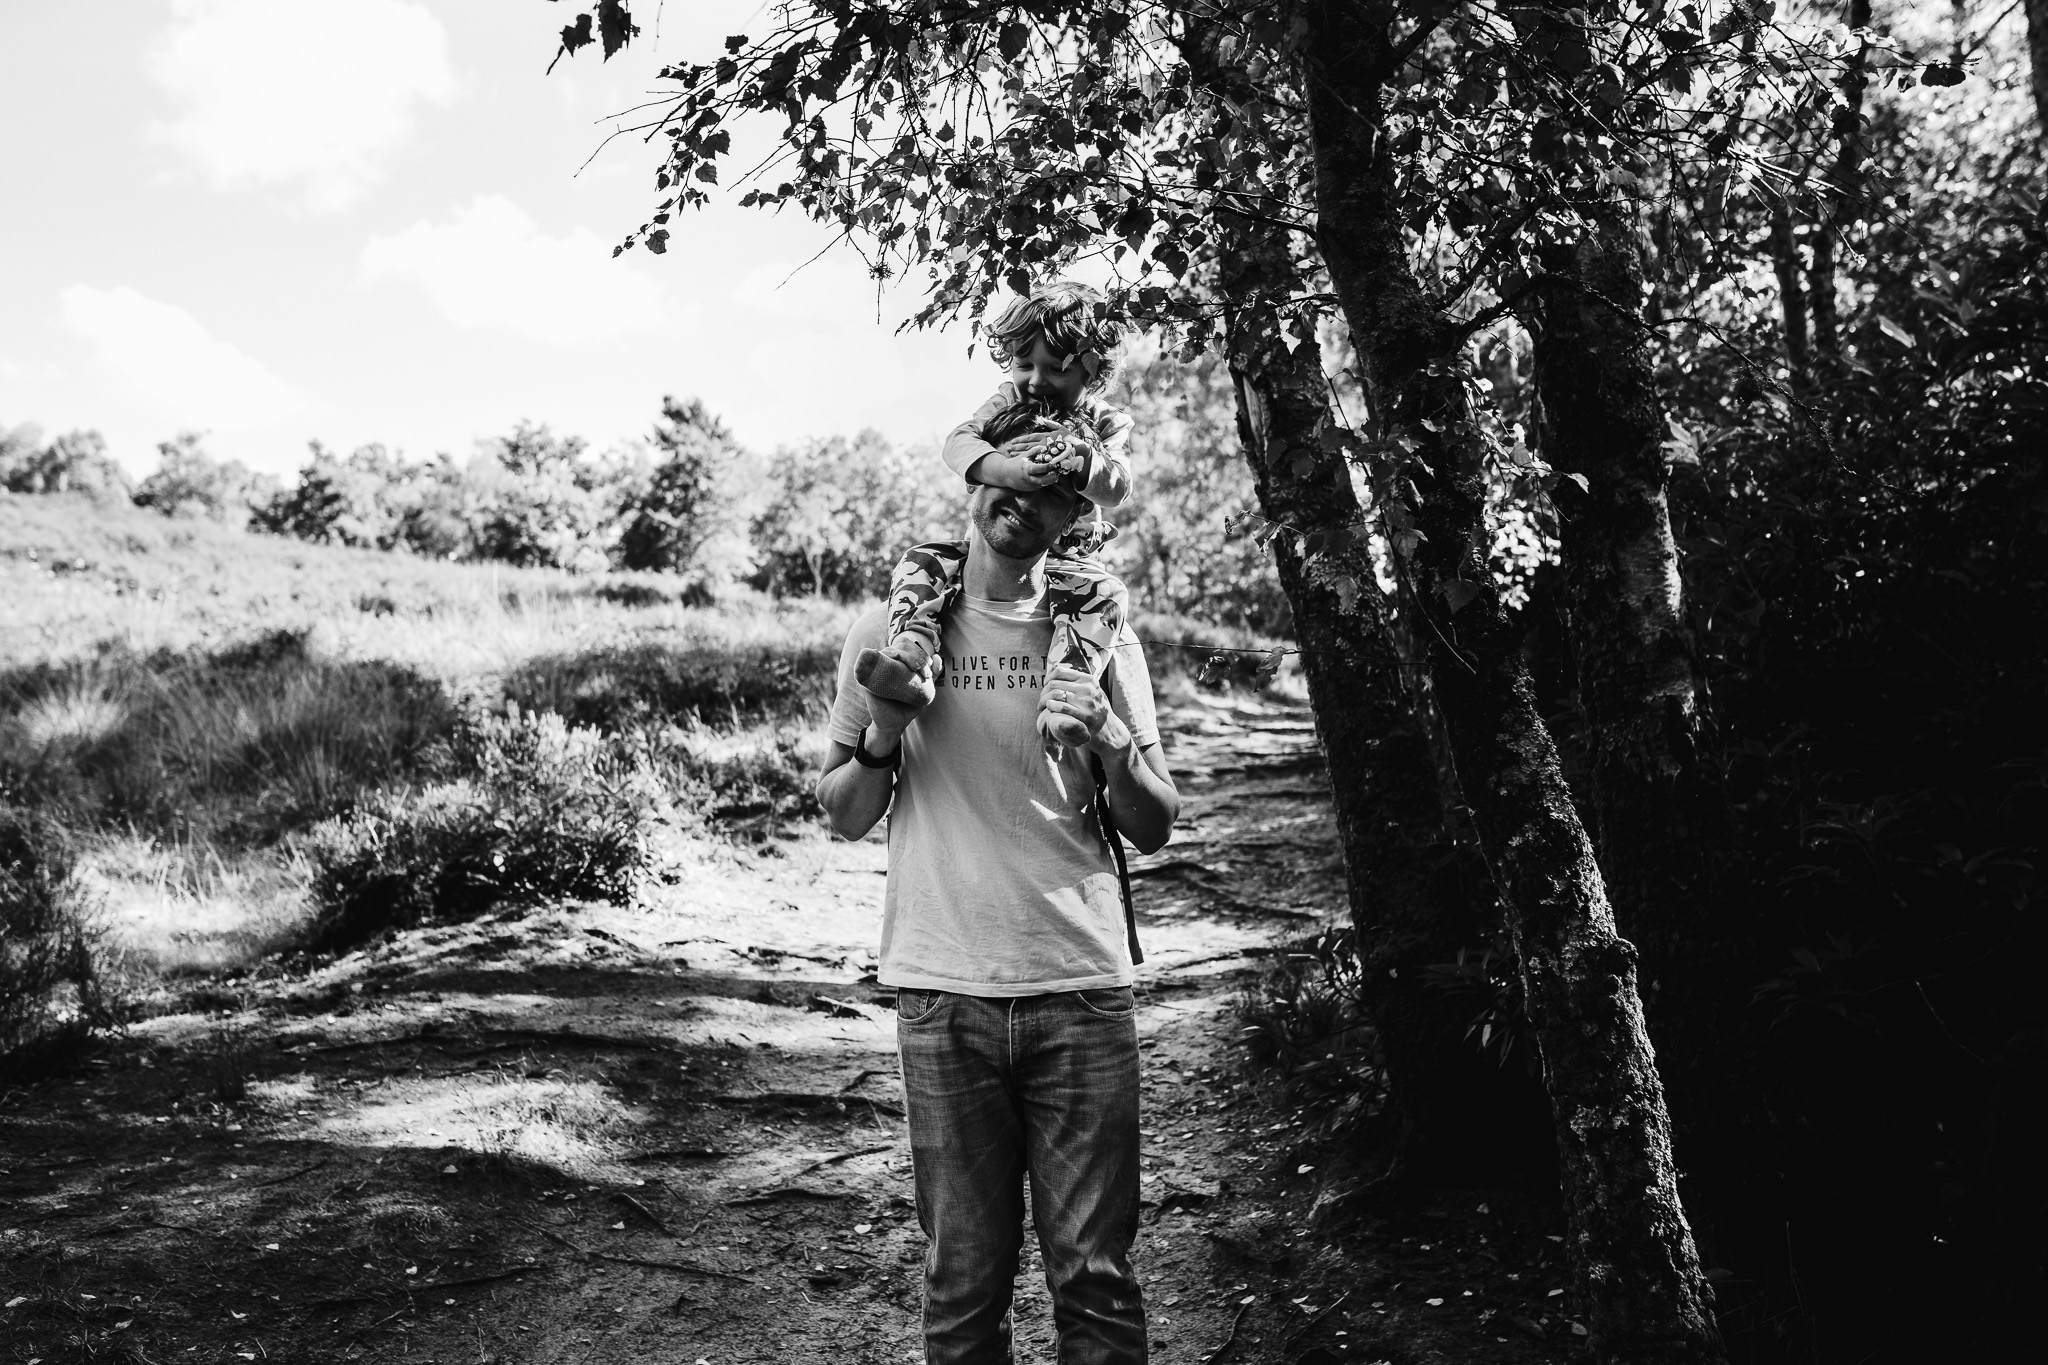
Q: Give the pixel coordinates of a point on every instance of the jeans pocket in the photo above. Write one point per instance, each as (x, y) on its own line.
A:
(1110, 1002)
(913, 1007)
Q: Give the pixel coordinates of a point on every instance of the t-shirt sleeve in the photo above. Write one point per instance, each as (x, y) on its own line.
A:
(850, 702)
(1109, 459)
(1130, 689)
(964, 444)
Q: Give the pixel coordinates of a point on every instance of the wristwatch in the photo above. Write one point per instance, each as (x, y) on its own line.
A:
(868, 760)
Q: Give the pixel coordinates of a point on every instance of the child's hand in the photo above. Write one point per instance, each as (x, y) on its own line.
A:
(1070, 456)
(1012, 468)
(1060, 454)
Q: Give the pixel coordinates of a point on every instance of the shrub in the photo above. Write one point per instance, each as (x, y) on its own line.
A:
(618, 687)
(188, 482)
(670, 519)
(1304, 1019)
(76, 462)
(750, 782)
(53, 988)
(542, 810)
(841, 512)
(1220, 656)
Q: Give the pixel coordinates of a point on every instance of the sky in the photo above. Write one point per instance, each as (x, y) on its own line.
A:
(274, 221)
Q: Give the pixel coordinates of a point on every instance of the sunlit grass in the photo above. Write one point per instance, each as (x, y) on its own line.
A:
(173, 909)
(560, 1122)
(184, 708)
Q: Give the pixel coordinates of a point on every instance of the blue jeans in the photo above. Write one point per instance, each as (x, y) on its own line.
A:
(998, 1087)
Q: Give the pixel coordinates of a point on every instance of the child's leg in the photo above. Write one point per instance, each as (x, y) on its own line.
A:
(922, 586)
(1088, 605)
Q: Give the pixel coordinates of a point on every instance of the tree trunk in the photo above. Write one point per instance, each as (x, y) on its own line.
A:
(1845, 179)
(1631, 1251)
(1791, 294)
(1406, 905)
(1660, 818)
(2037, 54)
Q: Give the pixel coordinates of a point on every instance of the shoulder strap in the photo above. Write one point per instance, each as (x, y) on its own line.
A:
(1116, 850)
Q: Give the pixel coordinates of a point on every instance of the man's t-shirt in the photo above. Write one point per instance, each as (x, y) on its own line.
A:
(1000, 880)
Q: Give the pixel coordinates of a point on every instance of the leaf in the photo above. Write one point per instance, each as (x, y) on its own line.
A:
(1895, 332)
(615, 25)
(1682, 448)
(1346, 588)
(1010, 42)
(574, 36)
(1458, 592)
(1609, 86)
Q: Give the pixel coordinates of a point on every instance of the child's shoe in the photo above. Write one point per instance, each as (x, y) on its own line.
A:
(901, 672)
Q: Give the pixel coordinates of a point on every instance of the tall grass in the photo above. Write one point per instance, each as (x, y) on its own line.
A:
(243, 744)
(55, 982)
(231, 746)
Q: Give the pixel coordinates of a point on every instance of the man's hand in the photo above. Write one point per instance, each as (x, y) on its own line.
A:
(1072, 693)
(1141, 792)
(887, 720)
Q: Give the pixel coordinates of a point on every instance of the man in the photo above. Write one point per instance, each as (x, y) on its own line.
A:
(1003, 932)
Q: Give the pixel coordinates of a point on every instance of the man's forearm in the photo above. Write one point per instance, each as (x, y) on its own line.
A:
(1142, 796)
(854, 795)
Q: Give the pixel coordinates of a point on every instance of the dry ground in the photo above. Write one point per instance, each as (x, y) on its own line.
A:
(673, 1133)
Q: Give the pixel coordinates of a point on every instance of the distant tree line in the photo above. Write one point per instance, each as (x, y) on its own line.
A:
(822, 517)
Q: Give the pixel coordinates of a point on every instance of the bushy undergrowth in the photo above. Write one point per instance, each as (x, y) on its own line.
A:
(528, 808)
(1303, 1020)
(1202, 651)
(525, 807)
(637, 682)
(54, 984)
(236, 744)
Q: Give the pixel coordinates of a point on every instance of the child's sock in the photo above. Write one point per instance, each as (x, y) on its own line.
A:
(900, 671)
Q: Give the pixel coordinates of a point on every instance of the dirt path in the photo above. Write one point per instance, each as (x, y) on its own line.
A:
(673, 1133)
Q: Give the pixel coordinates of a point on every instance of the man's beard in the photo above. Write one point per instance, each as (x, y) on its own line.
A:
(1011, 528)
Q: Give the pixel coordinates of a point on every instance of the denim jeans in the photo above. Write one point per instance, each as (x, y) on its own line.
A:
(1002, 1087)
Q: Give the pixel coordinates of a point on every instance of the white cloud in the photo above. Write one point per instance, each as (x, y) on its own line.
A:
(825, 286)
(313, 91)
(490, 265)
(163, 353)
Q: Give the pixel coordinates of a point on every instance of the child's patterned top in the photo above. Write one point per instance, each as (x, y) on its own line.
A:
(1106, 481)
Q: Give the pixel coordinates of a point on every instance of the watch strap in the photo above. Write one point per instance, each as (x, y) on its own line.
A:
(868, 760)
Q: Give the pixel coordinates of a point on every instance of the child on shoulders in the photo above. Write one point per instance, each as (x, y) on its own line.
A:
(1046, 423)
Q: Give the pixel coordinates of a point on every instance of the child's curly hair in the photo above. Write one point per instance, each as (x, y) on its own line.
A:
(1074, 318)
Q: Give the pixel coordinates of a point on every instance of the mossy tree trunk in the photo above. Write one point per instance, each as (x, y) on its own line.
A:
(1406, 904)
(1660, 817)
(1631, 1251)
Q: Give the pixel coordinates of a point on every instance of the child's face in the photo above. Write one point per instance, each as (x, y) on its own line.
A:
(1054, 379)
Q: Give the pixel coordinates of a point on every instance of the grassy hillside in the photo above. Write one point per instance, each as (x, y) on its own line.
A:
(216, 744)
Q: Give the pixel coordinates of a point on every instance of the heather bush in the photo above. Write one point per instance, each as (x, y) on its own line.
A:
(54, 984)
(529, 808)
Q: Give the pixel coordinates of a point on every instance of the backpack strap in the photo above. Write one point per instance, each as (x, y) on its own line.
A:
(1116, 850)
